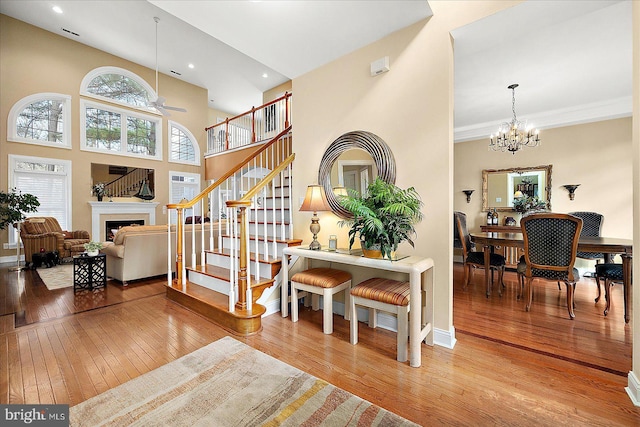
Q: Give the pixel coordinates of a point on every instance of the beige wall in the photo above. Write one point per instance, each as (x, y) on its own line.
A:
(634, 375)
(411, 108)
(595, 155)
(276, 92)
(33, 61)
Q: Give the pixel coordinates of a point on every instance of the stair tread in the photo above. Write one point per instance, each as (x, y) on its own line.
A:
(262, 259)
(289, 242)
(223, 273)
(268, 222)
(215, 299)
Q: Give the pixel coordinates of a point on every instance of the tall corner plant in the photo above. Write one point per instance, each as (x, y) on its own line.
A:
(384, 217)
(14, 205)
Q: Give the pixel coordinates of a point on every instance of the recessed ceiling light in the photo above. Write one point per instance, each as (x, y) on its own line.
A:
(192, 66)
(265, 75)
(57, 9)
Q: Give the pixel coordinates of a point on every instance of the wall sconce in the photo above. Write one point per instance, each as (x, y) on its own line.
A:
(468, 193)
(571, 188)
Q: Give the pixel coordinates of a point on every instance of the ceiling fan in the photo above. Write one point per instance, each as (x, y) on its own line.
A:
(158, 104)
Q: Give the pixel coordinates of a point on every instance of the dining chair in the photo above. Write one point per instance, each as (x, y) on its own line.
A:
(610, 273)
(550, 249)
(472, 258)
(591, 227)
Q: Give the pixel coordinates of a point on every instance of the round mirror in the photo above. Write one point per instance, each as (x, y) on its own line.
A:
(358, 156)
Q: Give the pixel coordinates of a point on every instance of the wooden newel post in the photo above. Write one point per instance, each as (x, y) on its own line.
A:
(253, 124)
(179, 231)
(287, 95)
(242, 262)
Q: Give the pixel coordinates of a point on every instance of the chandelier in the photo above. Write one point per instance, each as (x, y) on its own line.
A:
(515, 135)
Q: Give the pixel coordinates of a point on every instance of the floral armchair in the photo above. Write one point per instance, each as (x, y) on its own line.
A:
(45, 233)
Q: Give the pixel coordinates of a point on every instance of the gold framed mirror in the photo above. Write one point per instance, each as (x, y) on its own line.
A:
(500, 185)
(360, 154)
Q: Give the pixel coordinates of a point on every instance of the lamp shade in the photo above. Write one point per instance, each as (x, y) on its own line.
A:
(315, 200)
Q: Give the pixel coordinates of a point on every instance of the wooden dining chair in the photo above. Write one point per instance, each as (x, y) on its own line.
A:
(475, 259)
(591, 227)
(550, 248)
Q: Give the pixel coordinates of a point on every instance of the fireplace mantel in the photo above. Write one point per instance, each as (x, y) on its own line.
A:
(117, 208)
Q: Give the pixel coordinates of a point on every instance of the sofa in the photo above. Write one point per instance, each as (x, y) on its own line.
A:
(140, 251)
(44, 232)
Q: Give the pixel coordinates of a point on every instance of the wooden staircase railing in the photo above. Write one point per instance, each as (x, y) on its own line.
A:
(256, 125)
(249, 185)
(129, 184)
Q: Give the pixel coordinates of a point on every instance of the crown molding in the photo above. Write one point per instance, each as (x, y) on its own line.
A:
(585, 113)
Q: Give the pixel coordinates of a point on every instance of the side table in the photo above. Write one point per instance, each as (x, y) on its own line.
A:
(89, 272)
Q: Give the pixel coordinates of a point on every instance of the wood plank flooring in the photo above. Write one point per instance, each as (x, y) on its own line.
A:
(482, 381)
(590, 339)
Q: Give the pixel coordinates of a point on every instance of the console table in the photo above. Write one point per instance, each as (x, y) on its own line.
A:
(89, 272)
(419, 270)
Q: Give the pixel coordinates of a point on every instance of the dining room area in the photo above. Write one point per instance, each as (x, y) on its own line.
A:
(495, 309)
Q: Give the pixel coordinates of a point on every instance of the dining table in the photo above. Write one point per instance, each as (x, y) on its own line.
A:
(606, 245)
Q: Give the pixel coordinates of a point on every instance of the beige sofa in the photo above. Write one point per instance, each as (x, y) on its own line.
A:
(138, 252)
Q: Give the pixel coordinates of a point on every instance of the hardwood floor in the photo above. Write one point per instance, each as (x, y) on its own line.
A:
(591, 339)
(482, 381)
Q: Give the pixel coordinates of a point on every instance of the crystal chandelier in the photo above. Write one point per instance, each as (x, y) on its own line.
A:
(515, 135)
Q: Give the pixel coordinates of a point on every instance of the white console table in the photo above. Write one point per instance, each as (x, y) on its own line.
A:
(420, 271)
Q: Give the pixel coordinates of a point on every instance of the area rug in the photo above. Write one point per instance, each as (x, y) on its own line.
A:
(228, 383)
(60, 276)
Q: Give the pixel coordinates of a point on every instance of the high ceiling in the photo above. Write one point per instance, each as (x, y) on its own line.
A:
(230, 43)
(571, 58)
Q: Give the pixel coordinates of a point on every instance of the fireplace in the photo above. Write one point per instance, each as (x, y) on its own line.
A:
(119, 211)
(111, 227)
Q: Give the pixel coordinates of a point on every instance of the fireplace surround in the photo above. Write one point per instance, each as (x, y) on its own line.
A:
(119, 211)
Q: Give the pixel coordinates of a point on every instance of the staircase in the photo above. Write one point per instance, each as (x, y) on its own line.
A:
(243, 258)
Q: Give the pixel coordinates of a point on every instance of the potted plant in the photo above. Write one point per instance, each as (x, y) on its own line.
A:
(526, 204)
(98, 190)
(383, 218)
(13, 206)
(92, 248)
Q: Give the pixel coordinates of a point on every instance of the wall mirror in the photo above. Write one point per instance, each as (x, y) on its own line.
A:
(499, 186)
(353, 161)
(124, 181)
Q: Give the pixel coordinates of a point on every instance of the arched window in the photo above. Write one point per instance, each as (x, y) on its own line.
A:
(120, 131)
(43, 119)
(183, 146)
(118, 85)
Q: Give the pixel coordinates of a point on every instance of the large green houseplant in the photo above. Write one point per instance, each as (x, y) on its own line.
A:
(383, 218)
(14, 205)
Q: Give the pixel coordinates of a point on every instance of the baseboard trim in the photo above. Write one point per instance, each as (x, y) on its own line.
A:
(633, 389)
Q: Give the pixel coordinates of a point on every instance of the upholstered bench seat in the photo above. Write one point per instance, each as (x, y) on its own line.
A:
(387, 295)
(321, 281)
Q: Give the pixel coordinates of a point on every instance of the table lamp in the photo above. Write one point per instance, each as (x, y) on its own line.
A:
(315, 201)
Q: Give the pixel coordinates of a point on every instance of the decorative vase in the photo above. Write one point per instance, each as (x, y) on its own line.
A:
(100, 198)
(92, 253)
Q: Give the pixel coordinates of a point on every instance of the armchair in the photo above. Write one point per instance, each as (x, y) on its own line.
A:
(45, 232)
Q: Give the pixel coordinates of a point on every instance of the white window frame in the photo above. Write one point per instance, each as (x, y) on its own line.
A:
(194, 143)
(11, 169)
(198, 185)
(18, 108)
(116, 70)
(124, 114)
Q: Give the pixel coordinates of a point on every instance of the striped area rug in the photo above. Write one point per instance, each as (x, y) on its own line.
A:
(228, 383)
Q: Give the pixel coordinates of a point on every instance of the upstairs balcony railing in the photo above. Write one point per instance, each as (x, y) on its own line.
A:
(256, 125)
